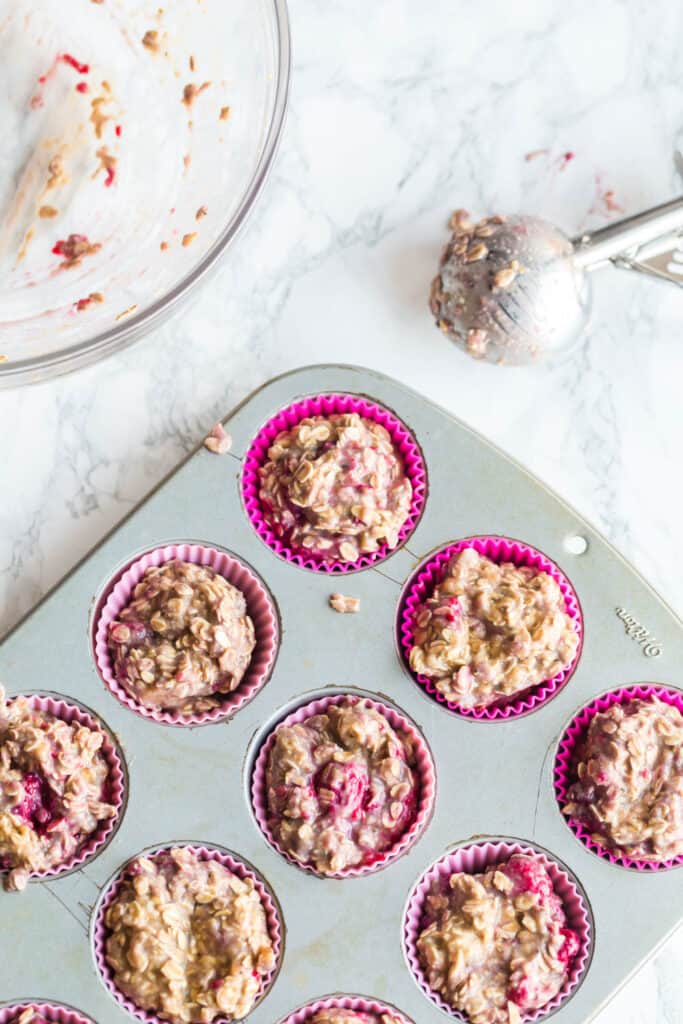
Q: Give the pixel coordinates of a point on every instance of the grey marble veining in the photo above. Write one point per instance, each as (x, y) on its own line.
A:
(399, 113)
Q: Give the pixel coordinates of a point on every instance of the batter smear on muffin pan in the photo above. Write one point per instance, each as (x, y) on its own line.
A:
(497, 944)
(341, 787)
(53, 789)
(628, 788)
(188, 939)
(184, 640)
(336, 487)
(490, 631)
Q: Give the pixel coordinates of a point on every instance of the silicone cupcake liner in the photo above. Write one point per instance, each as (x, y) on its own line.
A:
(116, 784)
(498, 549)
(260, 607)
(424, 768)
(370, 1006)
(53, 1013)
(573, 734)
(475, 858)
(325, 405)
(238, 867)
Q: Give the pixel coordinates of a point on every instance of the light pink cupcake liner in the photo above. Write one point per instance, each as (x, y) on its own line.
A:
(260, 607)
(424, 768)
(238, 867)
(325, 405)
(117, 784)
(54, 1013)
(476, 858)
(498, 549)
(358, 1003)
(563, 777)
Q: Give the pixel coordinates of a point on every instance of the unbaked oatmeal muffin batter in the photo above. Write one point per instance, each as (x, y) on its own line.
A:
(54, 789)
(342, 786)
(491, 630)
(336, 487)
(497, 944)
(188, 939)
(184, 640)
(339, 1016)
(628, 788)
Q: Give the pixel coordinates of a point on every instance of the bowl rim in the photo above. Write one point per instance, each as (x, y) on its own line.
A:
(19, 372)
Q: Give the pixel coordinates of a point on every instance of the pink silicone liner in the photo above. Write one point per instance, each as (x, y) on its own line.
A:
(260, 607)
(563, 776)
(498, 549)
(424, 767)
(54, 1013)
(475, 858)
(238, 867)
(116, 794)
(325, 405)
(358, 1003)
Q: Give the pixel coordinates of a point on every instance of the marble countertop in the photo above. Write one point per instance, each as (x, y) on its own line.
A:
(399, 113)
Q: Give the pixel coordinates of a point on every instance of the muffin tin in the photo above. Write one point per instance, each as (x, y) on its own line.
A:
(494, 779)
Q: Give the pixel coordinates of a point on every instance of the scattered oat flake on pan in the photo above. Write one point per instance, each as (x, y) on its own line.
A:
(94, 297)
(344, 605)
(127, 312)
(534, 154)
(193, 64)
(192, 91)
(224, 114)
(47, 212)
(218, 441)
(74, 248)
(189, 238)
(164, 246)
(201, 212)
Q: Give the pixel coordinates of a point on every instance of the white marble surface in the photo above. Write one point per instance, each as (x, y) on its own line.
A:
(400, 112)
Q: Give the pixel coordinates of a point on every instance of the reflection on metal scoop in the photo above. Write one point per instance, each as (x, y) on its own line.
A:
(515, 289)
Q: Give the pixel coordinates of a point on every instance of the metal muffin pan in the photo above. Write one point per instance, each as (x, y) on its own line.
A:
(493, 778)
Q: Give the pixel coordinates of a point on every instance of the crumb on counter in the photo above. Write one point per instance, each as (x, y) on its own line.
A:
(192, 91)
(164, 246)
(344, 605)
(127, 312)
(74, 249)
(193, 63)
(201, 212)
(47, 212)
(94, 297)
(224, 114)
(189, 238)
(3, 359)
(150, 40)
(218, 441)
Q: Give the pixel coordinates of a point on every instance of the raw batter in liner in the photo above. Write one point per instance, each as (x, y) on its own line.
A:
(497, 944)
(54, 784)
(336, 487)
(184, 640)
(188, 939)
(491, 630)
(341, 787)
(628, 788)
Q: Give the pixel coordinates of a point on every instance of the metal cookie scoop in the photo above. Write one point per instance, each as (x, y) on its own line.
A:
(515, 289)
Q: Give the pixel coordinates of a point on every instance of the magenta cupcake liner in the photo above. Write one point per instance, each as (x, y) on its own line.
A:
(116, 784)
(563, 774)
(360, 1004)
(260, 607)
(99, 931)
(425, 769)
(475, 858)
(53, 1013)
(325, 405)
(498, 549)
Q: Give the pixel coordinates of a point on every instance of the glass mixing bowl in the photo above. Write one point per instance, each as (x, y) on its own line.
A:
(136, 140)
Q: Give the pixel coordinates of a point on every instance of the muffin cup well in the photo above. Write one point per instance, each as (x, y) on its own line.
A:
(53, 1013)
(476, 858)
(325, 405)
(362, 1005)
(424, 768)
(497, 549)
(563, 773)
(99, 931)
(116, 789)
(260, 607)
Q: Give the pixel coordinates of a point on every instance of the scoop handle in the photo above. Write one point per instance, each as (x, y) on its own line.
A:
(597, 247)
